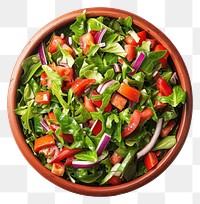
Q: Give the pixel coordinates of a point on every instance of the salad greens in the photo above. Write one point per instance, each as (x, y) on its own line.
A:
(88, 113)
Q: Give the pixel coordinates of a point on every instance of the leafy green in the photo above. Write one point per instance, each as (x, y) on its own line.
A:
(87, 155)
(93, 50)
(178, 96)
(97, 25)
(115, 48)
(78, 27)
(112, 117)
(110, 58)
(30, 66)
(165, 143)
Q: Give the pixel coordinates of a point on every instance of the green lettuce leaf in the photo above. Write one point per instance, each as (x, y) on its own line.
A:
(115, 48)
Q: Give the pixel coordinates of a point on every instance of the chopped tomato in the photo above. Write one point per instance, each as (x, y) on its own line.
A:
(115, 158)
(53, 46)
(68, 137)
(158, 153)
(93, 32)
(68, 49)
(150, 160)
(130, 40)
(129, 92)
(163, 60)
(164, 87)
(43, 97)
(168, 128)
(98, 104)
(85, 42)
(115, 180)
(65, 72)
(64, 153)
(69, 161)
(79, 85)
(51, 115)
(97, 128)
(48, 151)
(146, 114)
(89, 105)
(118, 101)
(159, 105)
(43, 79)
(54, 127)
(58, 169)
(45, 141)
(120, 60)
(130, 50)
(153, 42)
(134, 122)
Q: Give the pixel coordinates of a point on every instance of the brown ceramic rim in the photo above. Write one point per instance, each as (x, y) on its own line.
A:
(184, 123)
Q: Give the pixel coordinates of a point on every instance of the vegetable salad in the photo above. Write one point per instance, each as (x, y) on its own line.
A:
(99, 103)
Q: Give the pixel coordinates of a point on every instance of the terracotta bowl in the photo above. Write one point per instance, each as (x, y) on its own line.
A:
(176, 62)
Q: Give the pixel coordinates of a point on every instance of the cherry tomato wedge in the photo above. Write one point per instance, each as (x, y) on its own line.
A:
(97, 128)
(164, 87)
(150, 160)
(98, 104)
(115, 180)
(89, 105)
(45, 141)
(146, 114)
(43, 97)
(115, 158)
(168, 128)
(85, 42)
(134, 122)
(53, 46)
(58, 169)
(130, 50)
(129, 92)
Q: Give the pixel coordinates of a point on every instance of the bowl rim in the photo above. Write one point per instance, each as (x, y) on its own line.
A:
(184, 123)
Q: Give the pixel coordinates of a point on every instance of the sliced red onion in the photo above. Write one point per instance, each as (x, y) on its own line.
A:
(150, 145)
(42, 53)
(49, 161)
(140, 58)
(87, 90)
(70, 40)
(88, 164)
(174, 78)
(117, 68)
(102, 87)
(103, 143)
(64, 64)
(103, 44)
(99, 35)
(47, 129)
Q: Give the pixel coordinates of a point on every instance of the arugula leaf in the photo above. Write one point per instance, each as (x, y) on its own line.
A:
(149, 104)
(28, 93)
(109, 74)
(169, 114)
(110, 58)
(137, 80)
(30, 66)
(115, 48)
(81, 114)
(118, 130)
(37, 125)
(112, 117)
(97, 25)
(93, 50)
(87, 155)
(93, 74)
(34, 86)
(56, 85)
(78, 27)
(178, 96)
(125, 115)
(165, 143)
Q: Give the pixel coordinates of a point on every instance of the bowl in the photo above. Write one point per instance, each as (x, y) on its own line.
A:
(175, 60)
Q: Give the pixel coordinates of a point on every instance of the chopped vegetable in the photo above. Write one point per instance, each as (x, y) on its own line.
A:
(118, 101)
(43, 97)
(45, 141)
(150, 160)
(168, 128)
(58, 169)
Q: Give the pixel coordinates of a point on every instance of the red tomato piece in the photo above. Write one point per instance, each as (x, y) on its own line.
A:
(65, 72)
(146, 114)
(130, 50)
(45, 141)
(43, 97)
(53, 46)
(89, 105)
(168, 128)
(115, 158)
(98, 104)
(51, 115)
(43, 79)
(97, 128)
(54, 127)
(69, 161)
(142, 35)
(68, 49)
(163, 60)
(150, 160)
(68, 137)
(115, 180)
(153, 42)
(134, 122)
(118, 101)
(129, 92)
(159, 105)
(164, 87)
(85, 42)
(58, 169)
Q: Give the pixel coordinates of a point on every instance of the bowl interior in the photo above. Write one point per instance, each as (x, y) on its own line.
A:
(176, 62)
